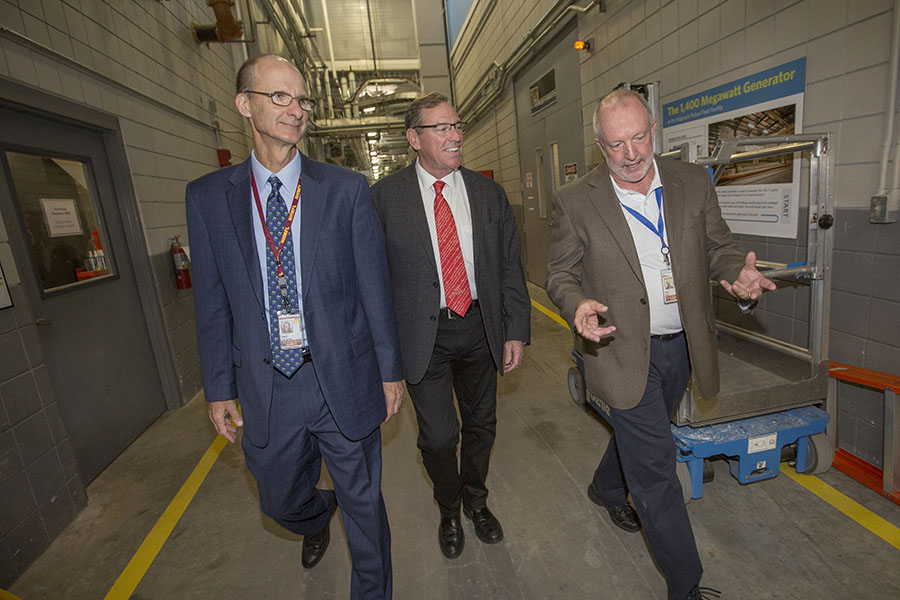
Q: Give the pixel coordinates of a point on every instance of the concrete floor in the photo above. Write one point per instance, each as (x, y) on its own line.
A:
(771, 539)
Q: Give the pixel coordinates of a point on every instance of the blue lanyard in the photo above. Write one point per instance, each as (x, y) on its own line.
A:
(660, 227)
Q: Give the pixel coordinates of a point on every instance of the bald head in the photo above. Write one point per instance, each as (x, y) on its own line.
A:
(246, 75)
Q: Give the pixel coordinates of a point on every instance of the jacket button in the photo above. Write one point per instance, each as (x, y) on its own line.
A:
(433, 318)
(643, 301)
(434, 284)
(265, 361)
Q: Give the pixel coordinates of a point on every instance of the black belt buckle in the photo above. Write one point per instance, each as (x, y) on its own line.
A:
(307, 357)
(665, 337)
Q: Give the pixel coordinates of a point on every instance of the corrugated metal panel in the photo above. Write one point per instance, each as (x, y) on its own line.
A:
(392, 26)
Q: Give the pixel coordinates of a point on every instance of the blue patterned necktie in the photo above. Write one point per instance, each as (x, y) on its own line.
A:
(285, 360)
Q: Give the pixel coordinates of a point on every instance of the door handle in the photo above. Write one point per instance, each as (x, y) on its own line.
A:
(43, 322)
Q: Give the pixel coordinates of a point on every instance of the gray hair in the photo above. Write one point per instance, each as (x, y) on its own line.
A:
(616, 99)
(413, 115)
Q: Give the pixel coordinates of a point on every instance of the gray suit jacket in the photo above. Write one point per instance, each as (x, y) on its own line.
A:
(592, 255)
(502, 294)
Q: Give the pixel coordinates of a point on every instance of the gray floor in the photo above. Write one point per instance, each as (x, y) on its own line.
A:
(771, 539)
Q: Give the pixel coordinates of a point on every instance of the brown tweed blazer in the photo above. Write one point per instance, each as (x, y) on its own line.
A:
(592, 255)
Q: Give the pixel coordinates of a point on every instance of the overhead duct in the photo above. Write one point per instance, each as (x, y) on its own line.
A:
(226, 28)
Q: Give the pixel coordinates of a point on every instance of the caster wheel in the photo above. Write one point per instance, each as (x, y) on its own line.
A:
(819, 454)
(576, 387)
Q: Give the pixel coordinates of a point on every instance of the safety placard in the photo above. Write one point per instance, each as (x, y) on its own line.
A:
(762, 443)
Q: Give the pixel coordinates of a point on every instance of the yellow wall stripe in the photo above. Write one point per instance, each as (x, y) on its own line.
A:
(859, 513)
(134, 571)
(4, 595)
(549, 313)
(853, 509)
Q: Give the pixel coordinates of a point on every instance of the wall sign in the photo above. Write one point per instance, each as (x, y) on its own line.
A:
(61, 216)
(759, 197)
(543, 91)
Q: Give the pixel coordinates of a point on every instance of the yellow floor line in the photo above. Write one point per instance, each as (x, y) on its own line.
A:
(134, 571)
(549, 313)
(859, 513)
(853, 509)
(4, 595)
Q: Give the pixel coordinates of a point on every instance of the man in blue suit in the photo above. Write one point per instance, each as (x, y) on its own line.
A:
(295, 317)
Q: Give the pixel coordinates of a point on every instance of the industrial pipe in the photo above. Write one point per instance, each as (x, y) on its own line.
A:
(226, 28)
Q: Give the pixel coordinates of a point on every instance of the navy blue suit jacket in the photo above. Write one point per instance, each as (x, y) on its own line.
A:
(347, 302)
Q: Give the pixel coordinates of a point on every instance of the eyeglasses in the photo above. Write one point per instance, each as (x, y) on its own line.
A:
(443, 129)
(285, 99)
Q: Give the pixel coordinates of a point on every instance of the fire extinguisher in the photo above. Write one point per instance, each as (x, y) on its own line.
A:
(182, 264)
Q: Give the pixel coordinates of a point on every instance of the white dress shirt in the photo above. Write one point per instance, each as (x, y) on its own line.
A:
(289, 176)
(457, 198)
(664, 318)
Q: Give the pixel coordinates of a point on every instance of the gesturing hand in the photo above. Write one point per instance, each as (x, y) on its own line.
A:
(587, 320)
(750, 283)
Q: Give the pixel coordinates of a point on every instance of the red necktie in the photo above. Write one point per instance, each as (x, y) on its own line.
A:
(453, 269)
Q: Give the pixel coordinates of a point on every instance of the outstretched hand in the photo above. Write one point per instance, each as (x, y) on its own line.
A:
(587, 320)
(750, 283)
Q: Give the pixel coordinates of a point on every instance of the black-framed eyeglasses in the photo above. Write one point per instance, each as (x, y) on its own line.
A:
(285, 99)
(444, 128)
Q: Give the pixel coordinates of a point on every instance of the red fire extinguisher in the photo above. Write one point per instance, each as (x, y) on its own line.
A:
(182, 264)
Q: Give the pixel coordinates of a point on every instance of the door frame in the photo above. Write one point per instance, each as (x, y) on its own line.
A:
(24, 98)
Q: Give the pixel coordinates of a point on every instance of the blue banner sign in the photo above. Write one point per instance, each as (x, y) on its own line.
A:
(777, 82)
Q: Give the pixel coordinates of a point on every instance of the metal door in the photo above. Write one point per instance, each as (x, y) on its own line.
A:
(551, 146)
(59, 206)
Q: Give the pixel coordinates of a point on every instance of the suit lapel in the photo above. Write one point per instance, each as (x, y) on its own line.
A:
(313, 197)
(237, 197)
(673, 208)
(476, 209)
(607, 205)
(415, 208)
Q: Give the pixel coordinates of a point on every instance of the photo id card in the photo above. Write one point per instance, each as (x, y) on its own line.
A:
(668, 286)
(290, 331)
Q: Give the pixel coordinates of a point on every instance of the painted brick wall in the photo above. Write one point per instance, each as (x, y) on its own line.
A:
(692, 45)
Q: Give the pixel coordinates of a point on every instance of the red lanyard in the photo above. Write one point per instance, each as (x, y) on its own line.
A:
(287, 224)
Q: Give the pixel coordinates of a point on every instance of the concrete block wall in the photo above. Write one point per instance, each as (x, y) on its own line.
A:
(692, 45)
(40, 489)
(138, 61)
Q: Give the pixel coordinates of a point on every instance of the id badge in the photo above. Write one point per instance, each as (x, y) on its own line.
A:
(290, 331)
(668, 286)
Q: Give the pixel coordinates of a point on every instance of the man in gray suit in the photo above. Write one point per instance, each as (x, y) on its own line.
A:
(645, 234)
(462, 309)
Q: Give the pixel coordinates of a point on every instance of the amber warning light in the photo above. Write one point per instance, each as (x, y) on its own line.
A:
(583, 45)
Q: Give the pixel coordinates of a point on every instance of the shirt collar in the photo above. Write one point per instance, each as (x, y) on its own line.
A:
(427, 179)
(288, 175)
(655, 183)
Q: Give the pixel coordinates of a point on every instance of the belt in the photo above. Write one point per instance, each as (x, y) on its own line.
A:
(448, 315)
(668, 336)
(307, 357)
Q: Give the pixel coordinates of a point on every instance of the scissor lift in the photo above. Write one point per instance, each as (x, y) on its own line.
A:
(765, 409)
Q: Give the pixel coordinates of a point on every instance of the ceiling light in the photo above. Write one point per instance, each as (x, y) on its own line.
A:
(369, 109)
(375, 160)
(372, 134)
(373, 152)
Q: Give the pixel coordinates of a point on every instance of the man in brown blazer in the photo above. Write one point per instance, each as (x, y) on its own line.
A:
(644, 235)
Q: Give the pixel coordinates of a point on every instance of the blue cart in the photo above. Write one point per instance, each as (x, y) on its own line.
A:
(754, 447)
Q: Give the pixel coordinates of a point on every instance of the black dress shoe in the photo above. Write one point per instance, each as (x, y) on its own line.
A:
(623, 517)
(703, 593)
(451, 538)
(487, 527)
(314, 546)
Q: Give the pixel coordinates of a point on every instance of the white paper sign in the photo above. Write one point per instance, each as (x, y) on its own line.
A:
(61, 217)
